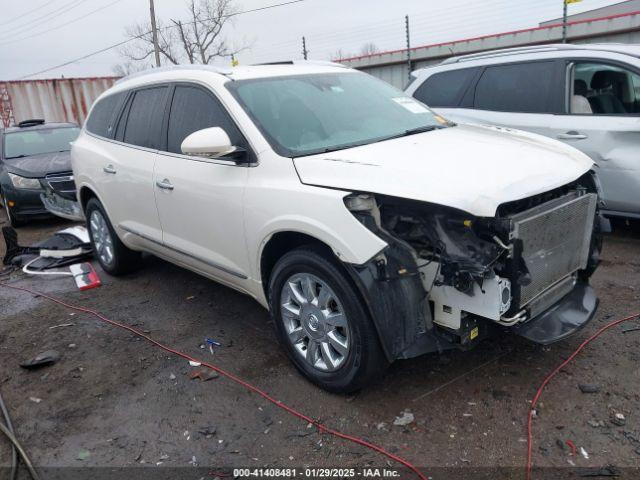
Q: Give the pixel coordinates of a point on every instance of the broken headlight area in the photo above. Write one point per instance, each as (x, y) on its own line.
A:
(59, 196)
(506, 269)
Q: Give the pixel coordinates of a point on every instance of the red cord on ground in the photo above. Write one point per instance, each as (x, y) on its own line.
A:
(544, 383)
(321, 428)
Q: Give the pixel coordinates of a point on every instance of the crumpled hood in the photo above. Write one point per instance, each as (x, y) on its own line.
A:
(37, 166)
(468, 167)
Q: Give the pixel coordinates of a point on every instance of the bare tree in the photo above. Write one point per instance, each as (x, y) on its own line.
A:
(369, 48)
(198, 39)
(339, 54)
(127, 68)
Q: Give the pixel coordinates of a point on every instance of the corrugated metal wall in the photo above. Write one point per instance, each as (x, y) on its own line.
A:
(57, 100)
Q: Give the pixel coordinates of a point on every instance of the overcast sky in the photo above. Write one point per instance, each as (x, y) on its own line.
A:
(26, 45)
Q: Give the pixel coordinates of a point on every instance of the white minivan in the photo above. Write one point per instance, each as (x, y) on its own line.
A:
(587, 96)
(370, 227)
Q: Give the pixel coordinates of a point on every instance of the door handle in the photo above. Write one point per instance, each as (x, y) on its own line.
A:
(165, 184)
(572, 135)
(109, 169)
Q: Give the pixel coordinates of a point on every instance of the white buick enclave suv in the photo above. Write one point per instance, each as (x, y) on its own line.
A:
(370, 227)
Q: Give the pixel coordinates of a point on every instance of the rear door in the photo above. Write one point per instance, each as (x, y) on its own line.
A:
(200, 200)
(602, 119)
(522, 95)
(127, 184)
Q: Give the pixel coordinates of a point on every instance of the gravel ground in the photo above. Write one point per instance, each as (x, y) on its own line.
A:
(116, 401)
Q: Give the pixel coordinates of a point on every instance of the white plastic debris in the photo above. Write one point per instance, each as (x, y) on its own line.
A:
(584, 453)
(405, 419)
(194, 364)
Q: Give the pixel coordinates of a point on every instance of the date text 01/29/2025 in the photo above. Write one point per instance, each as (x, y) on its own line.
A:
(368, 472)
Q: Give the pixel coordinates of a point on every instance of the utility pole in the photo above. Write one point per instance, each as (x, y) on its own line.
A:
(564, 21)
(406, 24)
(304, 48)
(154, 30)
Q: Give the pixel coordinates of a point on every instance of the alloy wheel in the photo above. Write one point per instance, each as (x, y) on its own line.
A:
(315, 322)
(102, 241)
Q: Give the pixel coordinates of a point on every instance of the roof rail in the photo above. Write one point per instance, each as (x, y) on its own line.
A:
(319, 63)
(552, 47)
(151, 71)
(31, 122)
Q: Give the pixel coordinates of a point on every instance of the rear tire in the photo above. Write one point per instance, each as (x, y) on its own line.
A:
(114, 257)
(322, 322)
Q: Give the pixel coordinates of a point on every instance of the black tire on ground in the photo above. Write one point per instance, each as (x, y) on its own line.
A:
(365, 359)
(13, 220)
(124, 259)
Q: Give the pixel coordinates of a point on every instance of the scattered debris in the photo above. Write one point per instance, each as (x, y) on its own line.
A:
(572, 446)
(41, 360)
(172, 376)
(208, 431)
(62, 325)
(405, 419)
(194, 364)
(589, 388)
(584, 453)
(618, 419)
(193, 461)
(35, 399)
(72, 345)
(633, 329)
(204, 374)
(596, 423)
(381, 426)
(83, 454)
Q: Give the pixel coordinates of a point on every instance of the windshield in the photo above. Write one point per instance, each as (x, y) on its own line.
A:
(35, 142)
(306, 114)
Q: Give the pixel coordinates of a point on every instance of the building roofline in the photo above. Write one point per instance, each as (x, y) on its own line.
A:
(45, 80)
(493, 35)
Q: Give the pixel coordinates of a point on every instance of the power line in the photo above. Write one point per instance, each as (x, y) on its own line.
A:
(25, 14)
(119, 44)
(48, 16)
(60, 26)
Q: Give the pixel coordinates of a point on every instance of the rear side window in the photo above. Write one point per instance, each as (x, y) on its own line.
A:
(145, 117)
(524, 87)
(103, 115)
(193, 109)
(444, 89)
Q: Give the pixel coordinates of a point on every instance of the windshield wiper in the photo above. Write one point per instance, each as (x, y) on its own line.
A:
(413, 131)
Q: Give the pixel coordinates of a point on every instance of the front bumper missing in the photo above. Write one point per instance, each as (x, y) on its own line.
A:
(563, 319)
(61, 207)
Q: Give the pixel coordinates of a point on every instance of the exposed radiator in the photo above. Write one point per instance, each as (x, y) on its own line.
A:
(556, 237)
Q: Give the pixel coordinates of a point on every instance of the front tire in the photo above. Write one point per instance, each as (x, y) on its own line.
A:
(322, 322)
(114, 257)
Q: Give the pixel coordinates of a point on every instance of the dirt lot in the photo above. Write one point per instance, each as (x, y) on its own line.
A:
(115, 401)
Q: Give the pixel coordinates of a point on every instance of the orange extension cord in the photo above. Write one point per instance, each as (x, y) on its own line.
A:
(322, 428)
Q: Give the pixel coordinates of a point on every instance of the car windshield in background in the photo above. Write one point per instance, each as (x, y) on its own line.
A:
(36, 142)
(306, 114)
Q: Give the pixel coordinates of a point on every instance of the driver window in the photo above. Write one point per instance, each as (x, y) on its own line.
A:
(193, 109)
(603, 89)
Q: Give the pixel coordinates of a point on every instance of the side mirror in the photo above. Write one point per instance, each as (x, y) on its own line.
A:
(209, 143)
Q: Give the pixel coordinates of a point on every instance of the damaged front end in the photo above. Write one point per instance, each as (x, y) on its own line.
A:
(59, 196)
(448, 279)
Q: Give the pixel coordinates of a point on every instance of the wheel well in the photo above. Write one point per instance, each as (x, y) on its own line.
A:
(85, 195)
(280, 244)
